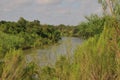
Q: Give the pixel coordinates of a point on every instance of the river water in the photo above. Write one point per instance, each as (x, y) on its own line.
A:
(49, 55)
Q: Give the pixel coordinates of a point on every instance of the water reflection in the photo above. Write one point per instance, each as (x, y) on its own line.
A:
(49, 55)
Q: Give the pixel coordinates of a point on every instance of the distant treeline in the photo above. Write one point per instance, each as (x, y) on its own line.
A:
(26, 34)
(93, 25)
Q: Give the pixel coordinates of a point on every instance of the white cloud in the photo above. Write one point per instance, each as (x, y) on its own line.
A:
(49, 11)
(71, 0)
(13, 4)
(43, 2)
(9, 5)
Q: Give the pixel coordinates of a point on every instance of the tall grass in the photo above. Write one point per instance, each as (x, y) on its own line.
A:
(97, 58)
(14, 67)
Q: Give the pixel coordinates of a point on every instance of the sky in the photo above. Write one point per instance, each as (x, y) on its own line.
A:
(68, 12)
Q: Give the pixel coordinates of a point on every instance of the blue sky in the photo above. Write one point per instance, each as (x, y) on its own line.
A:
(69, 12)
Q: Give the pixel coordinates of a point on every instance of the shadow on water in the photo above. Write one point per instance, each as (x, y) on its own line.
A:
(49, 55)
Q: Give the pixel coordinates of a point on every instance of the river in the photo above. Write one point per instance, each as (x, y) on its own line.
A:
(49, 55)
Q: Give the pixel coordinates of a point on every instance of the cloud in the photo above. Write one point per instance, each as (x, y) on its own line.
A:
(49, 11)
(72, 0)
(47, 2)
(8, 5)
(63, 11)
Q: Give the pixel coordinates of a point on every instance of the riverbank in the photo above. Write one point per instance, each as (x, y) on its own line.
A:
(50, 54)
(25, 34)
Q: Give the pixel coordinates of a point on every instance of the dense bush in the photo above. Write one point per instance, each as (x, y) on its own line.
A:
(93, 26)
(8, 42)
(33, 33)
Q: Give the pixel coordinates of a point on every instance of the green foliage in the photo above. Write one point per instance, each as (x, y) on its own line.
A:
(32, 32)
(22, 35)
(93, 26)
(66, 30)
(48, 73)
(8, 42)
